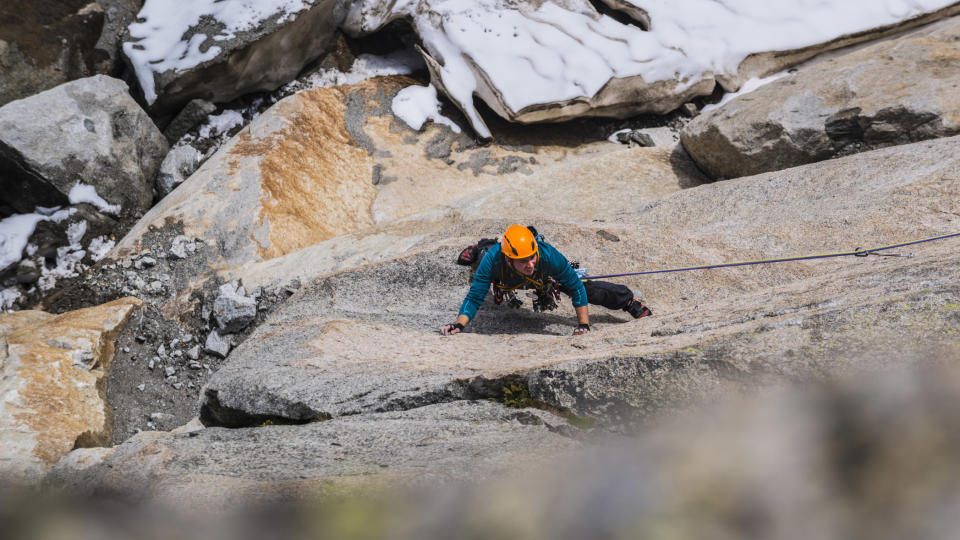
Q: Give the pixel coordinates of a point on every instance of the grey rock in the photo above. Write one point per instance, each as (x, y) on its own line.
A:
(217, 344)
(636, 137)
(89, 130)
(181, 247)
(145, 262)
(179, 164)
(44, 45)
(232, 309)
(689, 110)
(434, 444)
(195, 111)
(194, 354)
(169, 370)
(897, 91)
(269, 54)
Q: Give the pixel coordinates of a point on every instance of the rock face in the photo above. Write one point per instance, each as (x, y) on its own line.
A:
(229, 50)
(306, 362)
(429, 445)
(894, 92)
(282, 195)
(51, 399)
(88, 131)
(49, 42)
(534, 61)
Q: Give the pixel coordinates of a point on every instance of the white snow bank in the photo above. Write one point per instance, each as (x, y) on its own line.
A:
(82, 193)
(417, 104)
(8, 297)
(161, 28)
(555, 53)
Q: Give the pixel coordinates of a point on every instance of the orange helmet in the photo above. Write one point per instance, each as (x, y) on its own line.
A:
(518, 242)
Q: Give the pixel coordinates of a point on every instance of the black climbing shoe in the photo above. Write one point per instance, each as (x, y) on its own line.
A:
(637, 309)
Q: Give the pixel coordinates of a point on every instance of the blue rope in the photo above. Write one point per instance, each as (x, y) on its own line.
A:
(857, 253)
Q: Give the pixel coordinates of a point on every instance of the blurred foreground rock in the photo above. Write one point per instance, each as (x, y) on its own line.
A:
(430, 446)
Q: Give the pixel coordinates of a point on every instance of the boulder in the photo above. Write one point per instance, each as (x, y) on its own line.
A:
(424, 447)
(233, 310)
(897, 91)
(51, 396)
(329, 162)
(219, 51)
(49, 42)
(710, 328)
(180, 163)
(88, 131)
(535, 61)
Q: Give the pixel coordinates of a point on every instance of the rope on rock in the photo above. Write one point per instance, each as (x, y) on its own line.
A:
(858, 252)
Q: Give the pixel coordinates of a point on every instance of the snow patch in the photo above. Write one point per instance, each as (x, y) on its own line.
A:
(366, 66)
(82, 193)
(99, 247)
(8, 297)
(14, 233)
(221, 123)
(747, 87)
(417, 104)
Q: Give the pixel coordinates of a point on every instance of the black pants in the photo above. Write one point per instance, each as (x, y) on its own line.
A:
(606, 294)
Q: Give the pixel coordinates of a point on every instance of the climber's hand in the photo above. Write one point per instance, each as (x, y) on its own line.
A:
(451, 329)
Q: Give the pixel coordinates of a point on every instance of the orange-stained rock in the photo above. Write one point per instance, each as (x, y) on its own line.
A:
(51, 399)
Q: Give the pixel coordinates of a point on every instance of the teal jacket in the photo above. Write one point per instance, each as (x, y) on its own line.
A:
(552, 263)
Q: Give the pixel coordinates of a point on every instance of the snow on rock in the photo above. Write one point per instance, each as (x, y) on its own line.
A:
(222, 49)
(16, 230)
(221, 123)
(539, 60)
(746, 88)
(417, 104)
(366, 66)
(82, 193)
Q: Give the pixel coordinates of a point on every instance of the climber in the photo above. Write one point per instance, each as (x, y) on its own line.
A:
(524, 261)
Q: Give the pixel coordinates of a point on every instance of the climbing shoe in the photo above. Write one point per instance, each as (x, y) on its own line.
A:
(637, 309)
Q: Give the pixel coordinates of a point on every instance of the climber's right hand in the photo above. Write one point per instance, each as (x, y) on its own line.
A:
(450, 329)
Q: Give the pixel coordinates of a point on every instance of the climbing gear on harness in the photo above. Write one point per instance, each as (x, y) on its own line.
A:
(547, 299)
(518, 242)
(637, 309)
(857, 253)
(499, 294)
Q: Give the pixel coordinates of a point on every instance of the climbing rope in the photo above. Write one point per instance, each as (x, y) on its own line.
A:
(856, 253)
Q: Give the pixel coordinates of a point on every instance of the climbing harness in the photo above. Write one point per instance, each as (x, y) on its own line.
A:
(858, 252)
